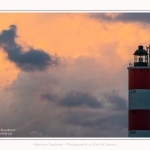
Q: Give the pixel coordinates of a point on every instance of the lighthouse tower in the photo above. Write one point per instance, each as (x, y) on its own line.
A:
(139, 94)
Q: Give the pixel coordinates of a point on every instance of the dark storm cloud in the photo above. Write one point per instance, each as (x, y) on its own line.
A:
(33, 59)
(99, 120)
(120, 119)
(73, 99)
(48, 96)
(124, 17)
(82, 118)
(113, 114)
(117, 102)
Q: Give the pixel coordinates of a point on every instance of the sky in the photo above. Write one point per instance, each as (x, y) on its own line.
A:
(65, 74)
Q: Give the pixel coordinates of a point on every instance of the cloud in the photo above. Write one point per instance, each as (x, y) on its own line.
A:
(115, 101)
(114, 119)
(101, 123)
(73, 99)
(67, 108)
(36, 134)
(124, 17)
(93, 119)
(48, 96)
(31, 60)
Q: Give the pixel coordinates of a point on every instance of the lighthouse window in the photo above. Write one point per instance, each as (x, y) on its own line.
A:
(141, 70)
(133, 111)
(147, 70)
(133, 91)
(132, 132)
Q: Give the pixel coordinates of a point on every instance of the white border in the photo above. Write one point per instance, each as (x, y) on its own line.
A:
(114, 144)
(74, 5)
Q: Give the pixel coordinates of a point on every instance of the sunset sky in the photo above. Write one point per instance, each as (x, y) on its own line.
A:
(65, 74)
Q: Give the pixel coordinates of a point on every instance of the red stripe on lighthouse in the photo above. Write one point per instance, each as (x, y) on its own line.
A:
(139, 119)
(139, 78)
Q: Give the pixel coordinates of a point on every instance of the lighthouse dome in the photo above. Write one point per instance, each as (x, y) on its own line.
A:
(140, 51)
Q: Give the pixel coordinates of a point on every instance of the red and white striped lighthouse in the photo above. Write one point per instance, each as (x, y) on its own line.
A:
(139, 94)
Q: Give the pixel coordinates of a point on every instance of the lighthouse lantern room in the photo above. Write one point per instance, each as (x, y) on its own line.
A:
(140, 57)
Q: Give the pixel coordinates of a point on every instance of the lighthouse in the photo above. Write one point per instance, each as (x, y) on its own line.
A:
(139, 94)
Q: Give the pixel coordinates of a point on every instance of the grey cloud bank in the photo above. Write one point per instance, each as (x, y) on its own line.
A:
(124, 17)
(44, 106)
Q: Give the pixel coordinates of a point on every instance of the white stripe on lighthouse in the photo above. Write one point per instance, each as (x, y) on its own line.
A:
(139, 133)
(139, 99)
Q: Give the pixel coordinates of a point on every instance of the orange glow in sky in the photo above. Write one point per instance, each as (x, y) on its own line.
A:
(73, 35)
